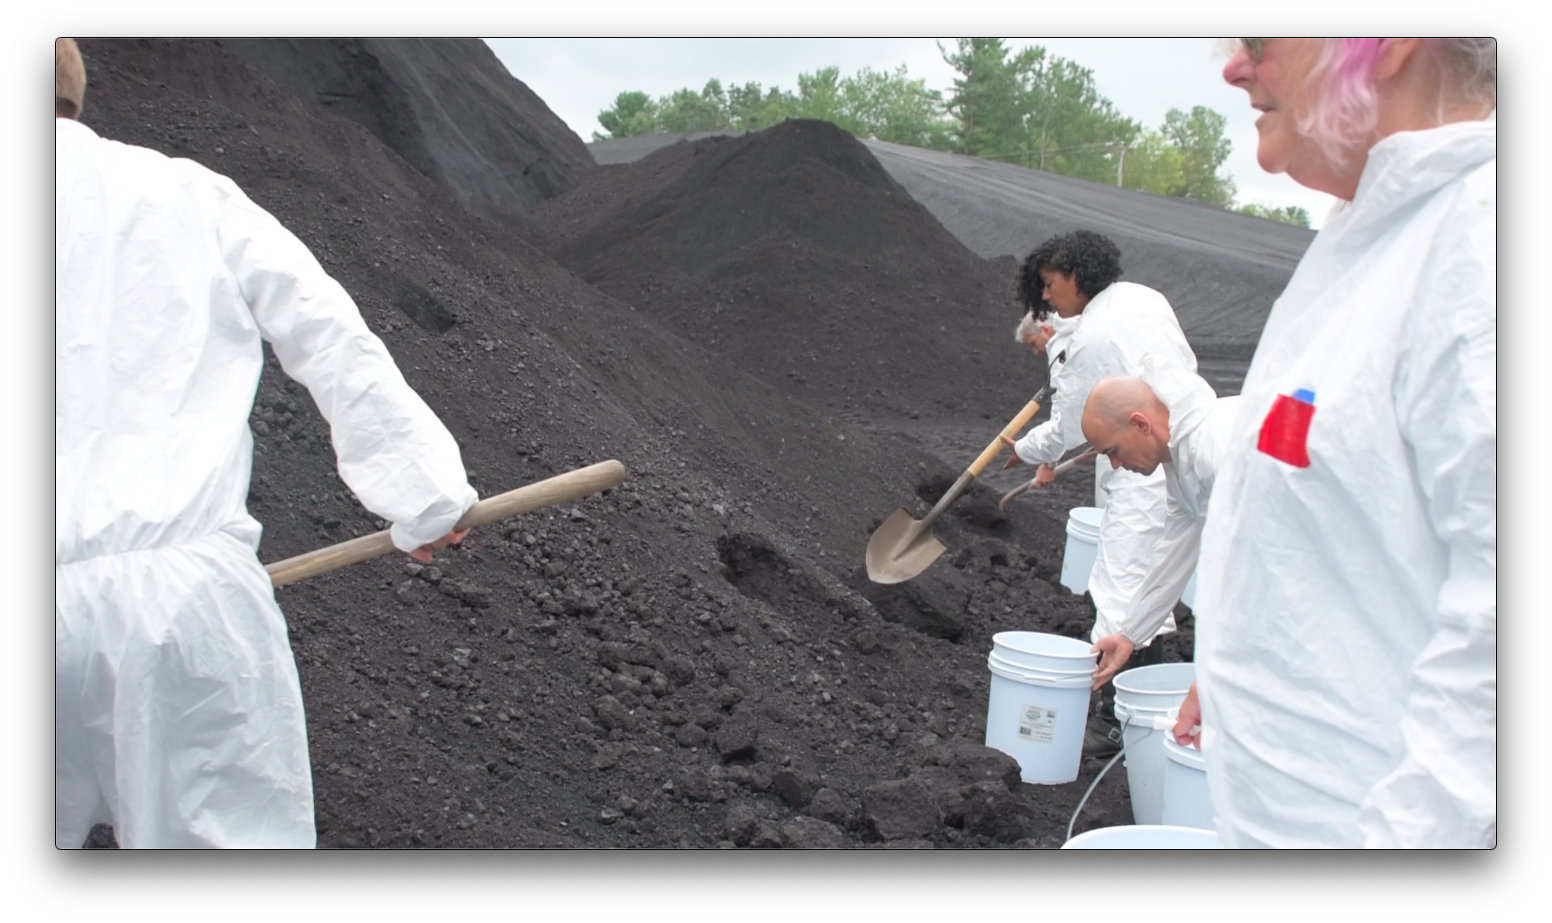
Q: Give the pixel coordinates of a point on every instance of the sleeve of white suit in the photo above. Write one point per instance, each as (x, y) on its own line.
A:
(1443, 791)
(1174, 561)
(1046, 443)
(393, 452)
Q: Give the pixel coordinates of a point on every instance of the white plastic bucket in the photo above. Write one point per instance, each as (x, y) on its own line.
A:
(1082, 547)
(1145, 698)
(992, 660)
(1186, 799)
(1144, 837)
(1038, 719)
(1043, 652)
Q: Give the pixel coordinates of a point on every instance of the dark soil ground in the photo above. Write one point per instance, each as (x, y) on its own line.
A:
(780, 345)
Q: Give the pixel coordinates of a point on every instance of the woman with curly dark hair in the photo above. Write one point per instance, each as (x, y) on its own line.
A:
(1115, 327)
(1089, 261)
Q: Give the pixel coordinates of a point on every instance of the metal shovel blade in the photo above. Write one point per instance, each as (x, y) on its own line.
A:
(901, 548)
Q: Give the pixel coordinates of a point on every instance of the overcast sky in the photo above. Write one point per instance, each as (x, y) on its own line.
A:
(1144, 77)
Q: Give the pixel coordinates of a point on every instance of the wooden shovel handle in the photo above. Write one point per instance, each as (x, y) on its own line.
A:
(1017, 423)
(548, 492)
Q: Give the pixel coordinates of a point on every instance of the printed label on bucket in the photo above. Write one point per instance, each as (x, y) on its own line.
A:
(1036, 723)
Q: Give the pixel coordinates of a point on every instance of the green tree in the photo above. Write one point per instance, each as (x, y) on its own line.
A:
(1074, 130)
(819, 97)
(1288, 214)
(893, 107)
(750, 109)
(1026, 107)
(988, 101)
(633, 113)
(1154, 165)
(687, 110)
(1034, 109)
(1199, 138)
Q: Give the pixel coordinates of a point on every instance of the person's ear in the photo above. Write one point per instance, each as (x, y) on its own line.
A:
(1394, 56)
(1140, 422)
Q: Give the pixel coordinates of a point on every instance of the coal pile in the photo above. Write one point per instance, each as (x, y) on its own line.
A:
(1220, 270)
(794, 253)
(448, 107)
(690, 660)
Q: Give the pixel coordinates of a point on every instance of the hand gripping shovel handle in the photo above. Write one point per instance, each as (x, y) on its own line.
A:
(1009, 431)
(902, 547)
(548, 492)
(1058, 471)
(979, 465)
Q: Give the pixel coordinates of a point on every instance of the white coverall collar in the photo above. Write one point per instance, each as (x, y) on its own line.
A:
(71, 125)
(1411, 164)
(1064, 326)
(1187, 395)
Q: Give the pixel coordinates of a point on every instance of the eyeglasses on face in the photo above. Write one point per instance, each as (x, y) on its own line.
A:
(1254, 48)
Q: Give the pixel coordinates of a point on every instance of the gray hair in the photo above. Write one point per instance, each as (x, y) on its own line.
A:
(1470, 68)
(1027, 329)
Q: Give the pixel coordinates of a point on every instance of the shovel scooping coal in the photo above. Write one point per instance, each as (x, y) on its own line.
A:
(902, 547)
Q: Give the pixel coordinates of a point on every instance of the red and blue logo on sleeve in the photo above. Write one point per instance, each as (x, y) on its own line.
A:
(1285, 430)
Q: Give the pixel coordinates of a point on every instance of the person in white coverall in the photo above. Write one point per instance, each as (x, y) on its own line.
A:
(1121, 324)
(178, 712)
(1347, 587)
(1168, 419)
(1047, 336)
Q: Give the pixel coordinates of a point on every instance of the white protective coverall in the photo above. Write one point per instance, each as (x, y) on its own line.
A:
(1061, 337)
(1346, 649)
(1056, 348)
(1120, 327)
(1199, 426)
(1056, 358)
(178, 712)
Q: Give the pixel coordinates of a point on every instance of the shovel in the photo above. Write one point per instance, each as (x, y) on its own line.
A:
(901, 548)
(1058, 471)
(548, 492)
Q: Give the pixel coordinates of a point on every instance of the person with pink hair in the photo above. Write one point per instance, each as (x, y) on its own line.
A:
(1347, 615)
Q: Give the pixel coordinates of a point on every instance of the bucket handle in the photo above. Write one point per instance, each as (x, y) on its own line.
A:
(1048, 681)
(1153, 720)
(1039, 680)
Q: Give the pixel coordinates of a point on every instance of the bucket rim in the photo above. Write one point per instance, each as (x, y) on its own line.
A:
(1091, 516)
(1076, 649)
(1015, 665)
(1150, 669)
(1189, 757)
(1199, 834)
(1082, 535)
(1037, 678)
